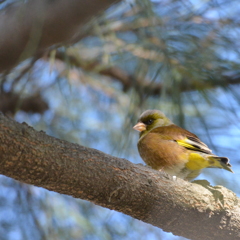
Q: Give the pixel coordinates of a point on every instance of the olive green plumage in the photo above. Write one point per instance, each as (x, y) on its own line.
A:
(165, 146)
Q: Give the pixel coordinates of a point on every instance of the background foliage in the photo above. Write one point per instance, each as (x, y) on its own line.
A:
(181, 57)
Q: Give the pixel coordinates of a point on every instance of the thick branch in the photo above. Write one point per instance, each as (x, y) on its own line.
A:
(27, 28)
(186, 209)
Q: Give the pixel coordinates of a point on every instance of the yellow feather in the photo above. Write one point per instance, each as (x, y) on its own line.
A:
(196, 162)
(186, 145)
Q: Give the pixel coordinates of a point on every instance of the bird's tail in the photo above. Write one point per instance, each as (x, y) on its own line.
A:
(220, 162)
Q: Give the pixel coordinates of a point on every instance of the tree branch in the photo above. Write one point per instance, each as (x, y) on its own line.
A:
(141, 84)
(11, 102)
(27, 28)
(186, 209)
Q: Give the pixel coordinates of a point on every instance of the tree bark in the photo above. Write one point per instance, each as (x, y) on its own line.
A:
(186, 209)
(28, 28)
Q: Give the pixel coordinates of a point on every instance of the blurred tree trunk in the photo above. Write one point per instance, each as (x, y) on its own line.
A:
(187, 209)
(29, 28)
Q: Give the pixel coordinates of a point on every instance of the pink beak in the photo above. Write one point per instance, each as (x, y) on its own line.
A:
(140, 127)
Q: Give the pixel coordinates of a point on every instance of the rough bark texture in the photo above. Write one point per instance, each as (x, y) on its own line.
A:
(31, 27)
(186, 209)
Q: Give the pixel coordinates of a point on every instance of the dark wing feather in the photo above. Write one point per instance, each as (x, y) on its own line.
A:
(183, 137)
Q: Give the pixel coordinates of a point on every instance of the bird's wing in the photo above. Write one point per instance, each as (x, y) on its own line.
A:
(183, 137)
(194, 143)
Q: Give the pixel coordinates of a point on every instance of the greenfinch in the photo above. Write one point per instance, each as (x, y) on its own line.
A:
(165, 146)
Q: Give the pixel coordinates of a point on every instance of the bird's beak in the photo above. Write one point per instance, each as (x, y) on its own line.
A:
(140, 127)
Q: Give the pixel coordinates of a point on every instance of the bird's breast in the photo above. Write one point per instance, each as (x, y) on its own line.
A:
(160, 153)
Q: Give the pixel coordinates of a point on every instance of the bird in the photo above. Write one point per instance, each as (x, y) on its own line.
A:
(167, 147)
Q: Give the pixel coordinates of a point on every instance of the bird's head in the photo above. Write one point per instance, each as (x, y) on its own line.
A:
(151, 119)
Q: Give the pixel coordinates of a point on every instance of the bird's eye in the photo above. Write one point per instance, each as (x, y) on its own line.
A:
(149, 121)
